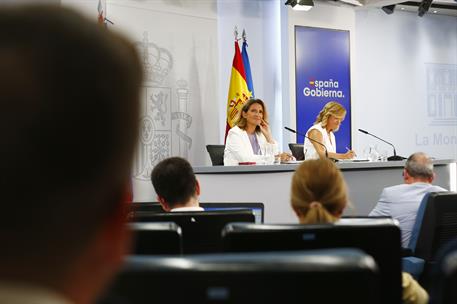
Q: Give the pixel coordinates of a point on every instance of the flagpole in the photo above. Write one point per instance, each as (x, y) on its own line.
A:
(235, 32)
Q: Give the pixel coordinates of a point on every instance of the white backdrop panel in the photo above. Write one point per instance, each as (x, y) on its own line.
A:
(406, 75)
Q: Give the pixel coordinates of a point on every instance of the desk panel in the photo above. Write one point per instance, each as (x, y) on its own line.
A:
(271, 185)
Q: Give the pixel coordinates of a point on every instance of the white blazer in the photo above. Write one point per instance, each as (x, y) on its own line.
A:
(238, 147)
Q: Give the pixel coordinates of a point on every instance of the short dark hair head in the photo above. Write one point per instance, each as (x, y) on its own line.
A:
(419, 165)
(69, 95)
(174, 180)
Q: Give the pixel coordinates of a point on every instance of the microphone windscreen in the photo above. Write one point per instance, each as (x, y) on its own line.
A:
(363, 131)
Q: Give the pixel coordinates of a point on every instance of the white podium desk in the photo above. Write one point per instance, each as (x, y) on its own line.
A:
(271, 185)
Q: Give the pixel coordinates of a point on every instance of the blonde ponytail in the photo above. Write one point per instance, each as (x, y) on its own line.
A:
(318, 192)
(317, 214)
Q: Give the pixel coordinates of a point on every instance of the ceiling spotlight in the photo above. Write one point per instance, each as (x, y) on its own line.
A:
(388, 9)
(423, 7)
(300, 5)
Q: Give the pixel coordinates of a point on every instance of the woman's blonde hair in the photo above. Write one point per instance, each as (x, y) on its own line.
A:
(318, 193)
(241, 123)
(330, 108)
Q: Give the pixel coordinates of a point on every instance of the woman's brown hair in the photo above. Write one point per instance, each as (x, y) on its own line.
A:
(241, 123)
(318, 193)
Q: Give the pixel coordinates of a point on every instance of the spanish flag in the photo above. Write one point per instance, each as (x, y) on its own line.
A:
(238, 91)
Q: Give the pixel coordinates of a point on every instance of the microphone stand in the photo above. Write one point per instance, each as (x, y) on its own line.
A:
(313, 140)
(390, 158)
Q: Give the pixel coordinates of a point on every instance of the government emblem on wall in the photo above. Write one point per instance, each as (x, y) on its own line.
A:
(165, 119)
(441, 94)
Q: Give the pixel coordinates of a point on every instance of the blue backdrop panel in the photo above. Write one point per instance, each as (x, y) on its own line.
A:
(322, 73)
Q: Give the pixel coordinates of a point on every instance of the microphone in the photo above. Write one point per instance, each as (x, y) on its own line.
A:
(313, 140)
(393, 157)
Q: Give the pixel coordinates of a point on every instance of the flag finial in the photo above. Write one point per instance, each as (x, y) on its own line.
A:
(235, 32)
(244, 35)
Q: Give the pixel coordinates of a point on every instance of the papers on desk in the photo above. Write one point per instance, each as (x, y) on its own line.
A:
(292, 162)
(354, 160)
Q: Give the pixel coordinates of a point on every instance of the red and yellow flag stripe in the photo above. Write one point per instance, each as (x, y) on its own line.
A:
(238, 90)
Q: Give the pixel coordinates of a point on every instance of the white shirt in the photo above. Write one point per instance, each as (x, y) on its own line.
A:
(328, 141)
(401, 202)
(185, 209)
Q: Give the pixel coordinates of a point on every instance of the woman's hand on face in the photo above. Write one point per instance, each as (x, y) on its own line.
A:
(265, 129)
(264, 126)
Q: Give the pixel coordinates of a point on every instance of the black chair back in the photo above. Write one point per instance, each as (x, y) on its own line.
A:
(257, 207)
(450, 283)
(285, 277)
(297, 151)
(216, 153)
(436, 224)
(201, 230)
(156, 238)
(146, 206)
(444, 275)
(379, 238)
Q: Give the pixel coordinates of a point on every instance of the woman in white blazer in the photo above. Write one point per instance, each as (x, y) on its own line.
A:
(249, 139)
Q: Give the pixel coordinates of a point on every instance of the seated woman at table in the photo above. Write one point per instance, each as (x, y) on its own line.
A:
(319, 195)
(250, 139)
(327, 122)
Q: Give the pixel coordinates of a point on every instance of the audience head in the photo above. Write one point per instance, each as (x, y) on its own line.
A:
(242, 121)
(418, 168)
(175, 183)
(69, 121)
(318, 193)
(334, 109)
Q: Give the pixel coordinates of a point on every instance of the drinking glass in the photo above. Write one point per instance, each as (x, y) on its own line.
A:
(371, 153)
(269, 156)
(383, 156)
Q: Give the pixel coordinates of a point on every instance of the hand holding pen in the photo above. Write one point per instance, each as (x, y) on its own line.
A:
(350, 153)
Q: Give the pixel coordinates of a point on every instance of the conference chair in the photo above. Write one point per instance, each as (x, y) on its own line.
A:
(156, 238)
(379, 237)
(444, 275)
(257, 207)
(435, 225)
(146, 206)
(450, 291)
(321, 276)
(216, 153)
(297, 151)
(201, 230)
